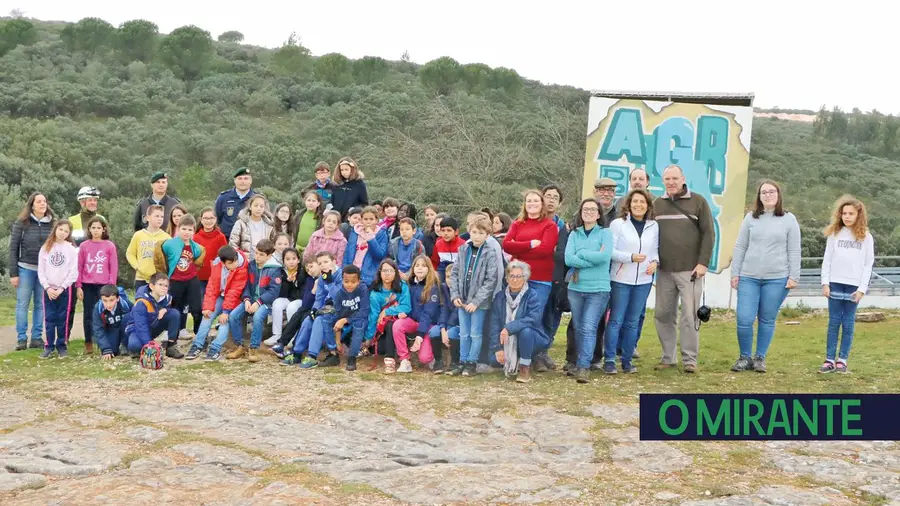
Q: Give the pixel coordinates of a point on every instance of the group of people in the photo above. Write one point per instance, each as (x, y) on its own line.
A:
(343, 276)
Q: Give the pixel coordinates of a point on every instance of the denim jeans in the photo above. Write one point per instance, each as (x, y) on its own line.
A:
(587, 309)
(758, 299)
(207, 324)
(301, 340)
(259, 323)
(627, 303)
(452, 332)
(29, 291)
(529, 343)
(542, 291)
(322, 332)
(841, 315)
(471, 326)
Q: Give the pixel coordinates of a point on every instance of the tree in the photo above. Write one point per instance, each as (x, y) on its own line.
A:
(476, 76)
(15, 32)
(440, 75)
(90, 35)
(231, 36)
(187, 51)
(507, 80)
(370, 69)
(292, 57)
(137, 40)
(334, 68)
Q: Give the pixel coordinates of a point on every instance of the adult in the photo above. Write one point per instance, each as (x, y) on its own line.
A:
(230, 202)
(635, 260)
(159, 185)
(517, 333)
(686, 238)
(88, 200)
(559, 301)
(637, 180)
(605, 193)
(29, 233)
(349, 187)
(765, 266)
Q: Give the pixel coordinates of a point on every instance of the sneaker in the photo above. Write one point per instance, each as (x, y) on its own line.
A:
(390, 366)
(172, 351)
(438, 367)
(272, 341)
(21, 345)
(759, 364)
(88, 348)
(351, 363)
(289, 359)
(63, 353)
(610, 368)
(213, 356)
(635, 355)
(827, 367)
(742, 364)
(524, 375)
(309, 363)
(47, 353)
(332, 360)
(236, 353)
(253, 355)
(467, 370)
(278, 350)
(36, 343)
(840, 367)
(456, 370)
(431, 365)
(629, 368)
(582, 375)
(690, 368)
(405, 366)
(597, 366)
(548, 361)
(193, 353)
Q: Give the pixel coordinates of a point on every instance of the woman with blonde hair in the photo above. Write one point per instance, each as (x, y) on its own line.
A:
(349, 187)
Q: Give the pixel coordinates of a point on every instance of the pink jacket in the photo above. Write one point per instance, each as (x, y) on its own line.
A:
(98, 263)
(59, 267)
(318, 243)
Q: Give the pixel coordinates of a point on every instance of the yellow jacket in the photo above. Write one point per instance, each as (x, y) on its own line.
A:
(140, 252)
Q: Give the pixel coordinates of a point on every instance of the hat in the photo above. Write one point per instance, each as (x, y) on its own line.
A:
(88, 192)
(157, 176)
(243, 171)
(603, 182)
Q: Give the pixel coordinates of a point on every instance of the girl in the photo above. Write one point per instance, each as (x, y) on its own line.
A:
(353, 219)
(98, 265)
(367, 245)
(284, 221)
(846, 270)
(765, 266)
(350, 189)
(57, 272)
(254, 224)
(174, 218)
(407, 210)
(391, 209)
(430, 212)
(309, 219)
(388, 299)
(291, 296)
(307, 299)
(446, 332)
(327, 238)
(433, 233)
(212, 239)
(502, 221)
(425, 298)
(29, 233)
(282, 242)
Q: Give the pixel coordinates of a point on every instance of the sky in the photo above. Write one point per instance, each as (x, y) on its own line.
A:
(798, 55)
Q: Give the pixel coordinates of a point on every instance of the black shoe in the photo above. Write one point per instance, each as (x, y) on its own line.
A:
(213, 356)
(21, 345)
(538, 365)
(36, 343)
(551, 365)
(455, 370)
(332, 360)
(742, 364)
(351, 363)
(438, 367)
(193, 353)
(172, 351)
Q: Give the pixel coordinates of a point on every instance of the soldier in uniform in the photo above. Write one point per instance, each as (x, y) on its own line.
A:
(230, 202)
(159, 183)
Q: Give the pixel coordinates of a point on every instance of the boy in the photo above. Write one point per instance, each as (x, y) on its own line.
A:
(181, 258)
(111, 317)
(352, 303)
(151, 315)
(262, 288)
(447, 247)
(406, 248)
(309, 298)
(227, 279)
(318, 327)
(354, 218)
(322, 185)
(143, 245)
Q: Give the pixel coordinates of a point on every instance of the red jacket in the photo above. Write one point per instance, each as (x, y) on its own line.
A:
(518, 244)
(234, 285)
(211, 242)
(445, 252)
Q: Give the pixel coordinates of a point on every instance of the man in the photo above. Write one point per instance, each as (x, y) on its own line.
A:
(159, 184)
(88, 199)
(557, 302)
(230, 202)
(686, 238)
(605, 193)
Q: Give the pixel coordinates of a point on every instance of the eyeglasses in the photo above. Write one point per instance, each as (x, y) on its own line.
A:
(769, 192)
(605, 190)
(590, 210)
(516, 276)
(552, 198)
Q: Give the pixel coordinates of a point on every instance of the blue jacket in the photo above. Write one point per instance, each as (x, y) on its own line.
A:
(378, 249)
(106, 322)
(353, 306)
(144, 314)
(327, 290)
(589, 256)
(449, 316)
(404, 254)
(309, 298)
(377, 300)
(529, 315)
(427, 313)
(263, 285)
(228, 205)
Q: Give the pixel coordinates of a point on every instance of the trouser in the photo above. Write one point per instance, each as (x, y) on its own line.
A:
(56, 318)
(385, 347)
(758, 300)
(437, 345)
(187, 294)
(471, 326)
(627, 303)
(529, 343)
(354, 337)
(111, 339)
(841, 320)
(91, 297)
(405, 326)
(207, 324)
(236, 324)
(29, 292)
(572, 342)
(292, 327)
(587, 309)
(169, 324)
(281, 306)
(670, 288)
(543, 291)
(552, 311)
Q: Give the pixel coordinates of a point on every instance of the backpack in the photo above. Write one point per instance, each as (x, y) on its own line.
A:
(151, 356)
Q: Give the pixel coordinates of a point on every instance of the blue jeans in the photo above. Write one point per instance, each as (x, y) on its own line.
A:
(168, 324)
(452, 332)
(587, 309)
(357, 335)
(542, 291)
(259, 323)
(529, 343)
(206, 326)
(323, 331)
(841, 315)
(29, 292)
(471, 326)
(301, 340)
(627, 303)
(758, 299)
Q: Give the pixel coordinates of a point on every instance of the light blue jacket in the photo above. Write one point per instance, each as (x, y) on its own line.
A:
(588, 256)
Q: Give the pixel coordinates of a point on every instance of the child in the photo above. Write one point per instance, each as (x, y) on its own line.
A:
(390, 208)
(406, 247)
(323, 184)
(328, 238)
(228, 277)
(212, 239)
(174, 219)
(282, 242)
(262, 288)
(367, 245)
(180, 258)
(447, 247)
(425, 299)
(57, 272)
(846, 270)
(284, 221)
(474, 281)
(98, 265)
(354, 218)
(254, 224)
(318, 326)
(388, 299)
(153, 314)
(352, 304)
(290, 298)
(143, 244)
(446, 332)
(308, 299)
(309, 219)
(110, 317)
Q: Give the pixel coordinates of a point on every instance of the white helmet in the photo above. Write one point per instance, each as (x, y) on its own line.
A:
(88, 192)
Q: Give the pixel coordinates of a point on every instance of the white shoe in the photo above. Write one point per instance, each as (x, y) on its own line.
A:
(430, 365)
(272, 341)
(405, 366)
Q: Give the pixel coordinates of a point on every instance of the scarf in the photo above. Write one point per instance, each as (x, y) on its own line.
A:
(362, 244)
(291, 273)
(510, 349)
(387, 223)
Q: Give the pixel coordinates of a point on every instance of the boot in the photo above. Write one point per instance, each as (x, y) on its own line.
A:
(236, 353)
(524, 374)
(539, 365)
(172, 351)
(88, 348)
(454, 351)
(253, 355)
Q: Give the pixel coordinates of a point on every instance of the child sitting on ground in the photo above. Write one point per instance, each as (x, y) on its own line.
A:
(110, 317)
(295, 318)
(318, 327)
(446, 333)
(151, 315)
(425, 298)
(352, 303)
(262, 288)
(227, 279)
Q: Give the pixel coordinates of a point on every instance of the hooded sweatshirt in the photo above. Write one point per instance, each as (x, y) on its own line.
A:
(144, 315)
(140, 252)
(169, 256)
(211, 242)
(228, 284)
(372, 252)
(58, 268)
(476, 276)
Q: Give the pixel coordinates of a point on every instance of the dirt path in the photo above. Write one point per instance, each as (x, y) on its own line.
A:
(8, 335)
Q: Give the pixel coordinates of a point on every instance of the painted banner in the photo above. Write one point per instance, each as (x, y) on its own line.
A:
(711, 144)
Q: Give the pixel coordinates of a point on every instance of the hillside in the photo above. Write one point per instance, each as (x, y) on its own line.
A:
(88, 103)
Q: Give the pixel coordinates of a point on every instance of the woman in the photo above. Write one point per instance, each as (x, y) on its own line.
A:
(517, 333)
(254, 223)
(327, 238)
(765, 266)
(388, 299)
(174, 218)
(588, 253)
(350, 188)
(502, 222)
(308, 220)
(635, 258)
(29, 233)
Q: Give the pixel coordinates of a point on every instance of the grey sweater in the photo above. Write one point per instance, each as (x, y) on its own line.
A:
(767, 247)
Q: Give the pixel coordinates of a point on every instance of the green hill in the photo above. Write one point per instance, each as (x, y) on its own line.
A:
(89, 103)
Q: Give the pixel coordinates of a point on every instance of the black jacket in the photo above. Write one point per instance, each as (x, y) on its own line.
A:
(168, 202)
(293, 290)
(349, 194)
(26, 241)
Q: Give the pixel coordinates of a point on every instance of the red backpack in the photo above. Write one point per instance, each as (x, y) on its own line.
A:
(151, 356)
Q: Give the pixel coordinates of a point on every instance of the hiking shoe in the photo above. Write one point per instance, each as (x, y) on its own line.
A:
(610, 368)
(759, 364)
(405, 366)
(597, 366)
(827, 367)
(635, 355)
(524, 375)
(272, 341)
(253, 355)
(172, 351)
(438, 367)
(540, 365)
(36, 343)
(309, 363)
(48, 352)
(21, 345)
(582, 375)
(840, 367)
(390, 366)
(213, 356)
(290, 359)
(456, 370)
(278, 350)
(663, 367)
(351, 363)
(742, 364)
(547, 361)
(193, 353)
(569, 368)
(88, 348)
(690, 368)
(236, 353)
(63, 353)
(332, 360)
(628, 368)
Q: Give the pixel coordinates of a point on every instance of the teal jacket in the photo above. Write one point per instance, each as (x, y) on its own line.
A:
(377, 300)
(588, 256)
(168, 252)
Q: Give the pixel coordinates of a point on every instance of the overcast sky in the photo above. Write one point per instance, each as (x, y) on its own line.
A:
(790, 54)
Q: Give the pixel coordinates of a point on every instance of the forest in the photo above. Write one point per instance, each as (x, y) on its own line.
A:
(89, 103)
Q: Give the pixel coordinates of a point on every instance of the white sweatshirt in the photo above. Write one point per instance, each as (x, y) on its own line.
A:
(848, 261)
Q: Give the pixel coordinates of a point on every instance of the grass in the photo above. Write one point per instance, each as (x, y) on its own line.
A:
(8, 311)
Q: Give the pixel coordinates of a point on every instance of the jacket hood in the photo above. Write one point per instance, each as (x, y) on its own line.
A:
(46, 219)
(267, 217)
(271, 262)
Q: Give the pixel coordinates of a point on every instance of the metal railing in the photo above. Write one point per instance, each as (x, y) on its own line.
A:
(885, 281)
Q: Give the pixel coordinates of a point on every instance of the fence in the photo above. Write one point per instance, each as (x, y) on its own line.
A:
(885, 280)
